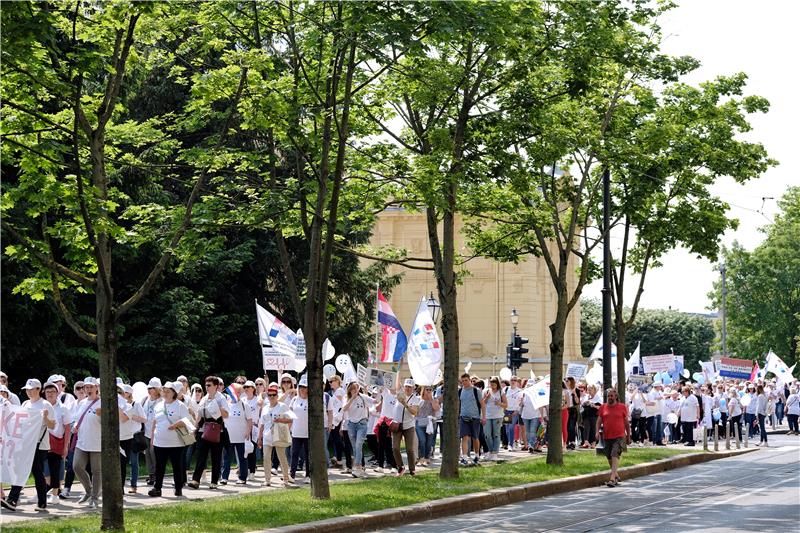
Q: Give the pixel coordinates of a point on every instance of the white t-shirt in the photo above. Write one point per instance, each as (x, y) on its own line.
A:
(389, 403)
(514, 396)
(670, 406)
(654, 397)
(167, 414)
(409, 419)
(708, 410)
(752, 408)
(337, 403)
(267, 419)
(131, 426)
(149, 408)
(68, 400)
(89, 431)
(36, 409)
(63, 417)
(255, 412)
(689, 408)
(734, 406)
(299, 407)
(359, 408)
(529, 412)
(236, 423)
(212, 407)
(13, 398)
(492, 409)
(793, 404)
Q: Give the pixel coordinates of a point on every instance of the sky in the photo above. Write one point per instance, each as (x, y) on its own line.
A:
(762, 39)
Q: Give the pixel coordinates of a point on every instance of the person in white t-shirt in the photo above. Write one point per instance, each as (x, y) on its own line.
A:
(37, 407)
(299, 407)
(213, 408)
(272, 414)
(170, 414)
(384, 434)
(69, 477)
(514, 399)
(254, 402)
(690, 415)
(87, 449)
(405, 415)
(13, 398)
(148, 404)
(59, 447)
(127, 430)
(356, 408)
(239, 425)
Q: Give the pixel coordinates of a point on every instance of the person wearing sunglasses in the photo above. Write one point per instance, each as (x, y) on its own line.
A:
(212, 408)
(272, 414)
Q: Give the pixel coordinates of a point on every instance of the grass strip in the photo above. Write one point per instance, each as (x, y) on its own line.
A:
(279, 508)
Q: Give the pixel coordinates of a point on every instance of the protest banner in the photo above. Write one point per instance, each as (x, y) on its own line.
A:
(361, 375)
(576, 370)
(539, 392)
(376, 377)
(658, 363)
(735, 368)
(640, 379)
(19, 436)
(273, 360)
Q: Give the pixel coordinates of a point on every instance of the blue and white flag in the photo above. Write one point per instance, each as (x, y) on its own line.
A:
(282, 338)
(425, 349)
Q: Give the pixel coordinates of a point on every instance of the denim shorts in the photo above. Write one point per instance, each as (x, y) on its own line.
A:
(470, 429)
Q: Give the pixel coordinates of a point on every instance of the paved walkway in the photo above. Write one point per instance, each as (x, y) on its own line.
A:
(64, 508)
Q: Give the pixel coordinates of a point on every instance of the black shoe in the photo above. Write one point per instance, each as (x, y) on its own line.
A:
(155, 493)
(151, 481)
(179, 493)
(8, 505)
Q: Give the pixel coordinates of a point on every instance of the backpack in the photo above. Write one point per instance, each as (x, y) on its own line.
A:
(475, 392)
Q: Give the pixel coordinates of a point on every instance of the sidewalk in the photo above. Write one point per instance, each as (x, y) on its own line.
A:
(70, 508)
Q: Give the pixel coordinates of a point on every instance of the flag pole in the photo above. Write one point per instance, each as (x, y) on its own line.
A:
(377, 325)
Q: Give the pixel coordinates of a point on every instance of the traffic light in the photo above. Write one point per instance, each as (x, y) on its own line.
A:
(516, 352)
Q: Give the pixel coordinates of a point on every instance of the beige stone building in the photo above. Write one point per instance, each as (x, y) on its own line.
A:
(485, 299)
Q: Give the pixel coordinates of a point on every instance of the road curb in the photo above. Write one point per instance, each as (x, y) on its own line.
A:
(478, 501)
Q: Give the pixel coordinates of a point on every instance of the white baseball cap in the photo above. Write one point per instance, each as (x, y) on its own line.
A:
(53, 378)
(249, 383)
(303, 381)
(127, 388)
(90, 381)
(3, 374)
(176, 386)
(408, 382)
(32, 383)
(3, 388)
(181, 378)
(154, 383)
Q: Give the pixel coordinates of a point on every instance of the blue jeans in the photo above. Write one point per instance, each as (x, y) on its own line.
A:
(510, 427)
(134, 460)
(425, 441)
(779, 412)
(531, 427)
(656, 431)
(748, 420)
(492, 431)
(762, 424)
(240, 459)
(357, 431)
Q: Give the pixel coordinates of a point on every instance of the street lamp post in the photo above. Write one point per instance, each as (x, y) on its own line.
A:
(433, 308)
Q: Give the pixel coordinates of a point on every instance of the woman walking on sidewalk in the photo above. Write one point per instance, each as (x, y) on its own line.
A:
(761, 412)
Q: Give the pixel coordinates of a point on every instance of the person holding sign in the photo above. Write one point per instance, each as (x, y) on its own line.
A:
(613, 423)
(35, 406)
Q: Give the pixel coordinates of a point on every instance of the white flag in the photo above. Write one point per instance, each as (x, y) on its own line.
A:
(424, 348)
(282, 338)
(265, 321)
(539, 392)
(634, 361)
(597, 353)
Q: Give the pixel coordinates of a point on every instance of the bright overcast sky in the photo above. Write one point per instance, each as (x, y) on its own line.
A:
(762, 39)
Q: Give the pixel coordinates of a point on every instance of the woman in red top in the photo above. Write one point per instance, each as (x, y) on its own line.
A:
(613, 419)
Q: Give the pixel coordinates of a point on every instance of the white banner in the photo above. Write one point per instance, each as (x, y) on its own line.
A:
(424, 348)
(658, 363)
(539, 393)
(300, 352)
(19, 437)
(576, 370)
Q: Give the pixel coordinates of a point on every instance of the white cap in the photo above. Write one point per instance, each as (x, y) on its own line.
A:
(154, 383)
(32, 383)
(53, 378)
(90, 381)
(49, 383)
(181, 378)
(196, 386)
(127, 388)
(287, 376)
(249, 383)
(61, 378)
(176, 386)
(120, 383)
(408, 382)
(3, 388)
(3, 374)
(303, 381)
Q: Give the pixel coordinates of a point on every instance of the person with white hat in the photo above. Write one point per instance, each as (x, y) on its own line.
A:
(149, 405)
(13, 398)
(299, 406)
(272, 436)
(239, 426)
(254, 403)
(67, 399)
(59, 444)
(170, 414)
(405, 418)
(127, 430)
(356, 409)
(69, 476)
(35, 406)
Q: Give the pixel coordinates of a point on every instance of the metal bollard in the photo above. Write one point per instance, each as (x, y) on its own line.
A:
(738, 437)
(746, 437)
(727, 436)
(705, 439)
(716, 437)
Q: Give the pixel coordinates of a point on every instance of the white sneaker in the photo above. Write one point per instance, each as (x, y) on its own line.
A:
(378, 470)
(51, 499)
(274, 472)
(85, 498)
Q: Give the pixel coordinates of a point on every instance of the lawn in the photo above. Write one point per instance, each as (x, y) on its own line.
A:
(278, 508)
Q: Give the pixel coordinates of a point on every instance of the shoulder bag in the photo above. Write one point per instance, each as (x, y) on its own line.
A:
(187, 437)
(281, 436)
(210, 431)
(78, 427)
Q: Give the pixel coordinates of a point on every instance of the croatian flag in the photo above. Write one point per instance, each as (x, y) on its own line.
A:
(392, 335)
(231, 391)
(283, 339)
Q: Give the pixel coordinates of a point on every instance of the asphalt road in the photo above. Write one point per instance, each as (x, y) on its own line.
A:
(759, 492)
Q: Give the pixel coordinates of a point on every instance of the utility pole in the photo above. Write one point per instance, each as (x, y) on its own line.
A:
(724, 312)
(606, 280)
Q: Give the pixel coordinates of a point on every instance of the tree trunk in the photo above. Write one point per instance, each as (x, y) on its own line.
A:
(555, 451)
(446, 284)
(112, 518)
(622, 331)
(316, 414)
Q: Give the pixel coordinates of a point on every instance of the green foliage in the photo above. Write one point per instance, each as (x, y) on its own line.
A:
(763, 303)
(659, 330)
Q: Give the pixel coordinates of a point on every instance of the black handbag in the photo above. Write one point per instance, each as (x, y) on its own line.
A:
(139, 443)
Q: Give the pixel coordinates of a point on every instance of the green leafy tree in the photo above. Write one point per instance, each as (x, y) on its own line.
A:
(763, 303)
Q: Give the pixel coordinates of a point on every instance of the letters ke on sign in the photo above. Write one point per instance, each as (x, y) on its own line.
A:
(735, 368)
(19, 435)
(658, 363)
